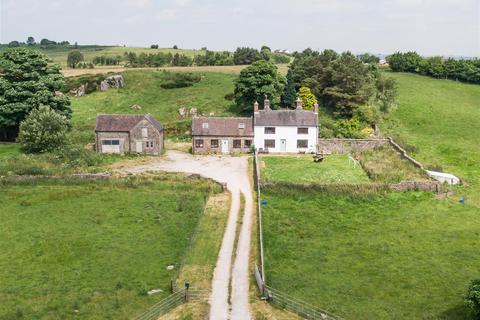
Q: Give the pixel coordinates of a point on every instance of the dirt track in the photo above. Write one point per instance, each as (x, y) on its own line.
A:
(234, 172)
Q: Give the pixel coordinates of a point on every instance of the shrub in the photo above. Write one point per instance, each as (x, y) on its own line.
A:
(179, 80)
(76, 156)
(472, 298)
(74, 57)
(349, 128)
(307, 97)
(43, 130)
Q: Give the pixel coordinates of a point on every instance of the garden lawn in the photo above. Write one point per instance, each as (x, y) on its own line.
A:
(392, 256)
(143, 88)
(92, 250)
(8, 150)
(302, 169)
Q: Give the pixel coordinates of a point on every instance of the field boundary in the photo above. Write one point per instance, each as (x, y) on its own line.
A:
(177, 298)
(273, 296)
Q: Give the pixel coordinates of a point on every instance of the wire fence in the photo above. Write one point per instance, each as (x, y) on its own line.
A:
(174, 300)
(284, 301)
(274, 296)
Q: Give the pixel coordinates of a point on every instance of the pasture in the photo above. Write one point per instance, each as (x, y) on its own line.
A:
(92, 249)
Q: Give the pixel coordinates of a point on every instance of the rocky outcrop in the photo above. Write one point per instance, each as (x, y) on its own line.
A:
(78, 92)
(115, 82)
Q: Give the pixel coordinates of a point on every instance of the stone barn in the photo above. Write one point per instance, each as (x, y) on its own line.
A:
(221, 135)
(128, 134)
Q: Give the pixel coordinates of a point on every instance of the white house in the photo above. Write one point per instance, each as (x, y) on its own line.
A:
(285, 131)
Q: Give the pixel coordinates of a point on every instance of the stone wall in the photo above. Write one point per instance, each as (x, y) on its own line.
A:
(429, 186)
(342, 146)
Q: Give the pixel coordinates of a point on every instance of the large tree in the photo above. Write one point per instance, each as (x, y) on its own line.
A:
(257, 81)
(27, 82)
(246, 55)
(31, 41)
(74, 58)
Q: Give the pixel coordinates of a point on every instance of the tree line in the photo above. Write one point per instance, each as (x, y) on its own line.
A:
(355, 93)
(436, 67)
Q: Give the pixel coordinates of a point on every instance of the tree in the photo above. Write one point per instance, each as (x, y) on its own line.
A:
(289, 94)
(266, 53)
(246, 55)
(13, 44)
(257, 81)
(352, 84)
(31, 41)
(307, 97)
(406, 62)
(46, 42)
(154, 46)
(43, 130)
(175, 47)
(369, 58)
(386, 93)
(74, 57)
(28, 81)
(472, 298)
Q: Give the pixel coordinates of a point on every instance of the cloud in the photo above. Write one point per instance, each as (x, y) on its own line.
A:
(138, 3)
(183, 3)
(166, 15)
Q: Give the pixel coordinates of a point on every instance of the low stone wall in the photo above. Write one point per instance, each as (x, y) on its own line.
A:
(342, 146)
(404, 154)
(429, 186)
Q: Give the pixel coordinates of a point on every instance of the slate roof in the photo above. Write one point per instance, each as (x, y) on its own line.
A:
(123, 122)
(222, 126)
(303, 118)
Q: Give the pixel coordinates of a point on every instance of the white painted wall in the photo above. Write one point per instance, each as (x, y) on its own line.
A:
(288, 133)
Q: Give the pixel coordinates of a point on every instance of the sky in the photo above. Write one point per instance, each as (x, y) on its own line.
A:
(430, 27)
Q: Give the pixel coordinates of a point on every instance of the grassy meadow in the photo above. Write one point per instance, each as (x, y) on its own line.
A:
(388, 255)
(377, 256)
(92, 250)
(302, 169)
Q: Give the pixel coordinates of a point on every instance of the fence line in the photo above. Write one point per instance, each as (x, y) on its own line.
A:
(274, 296)
(259, 212)
(174, 300)
(299, 307)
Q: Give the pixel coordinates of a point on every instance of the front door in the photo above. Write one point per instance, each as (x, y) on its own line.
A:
(283, 145)
(225, 146)
(139, 146)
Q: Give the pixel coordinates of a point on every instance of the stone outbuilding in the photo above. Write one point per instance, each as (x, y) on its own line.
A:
(128, 134)
(221, 135)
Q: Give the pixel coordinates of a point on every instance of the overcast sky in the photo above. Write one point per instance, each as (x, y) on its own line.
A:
(431, 27)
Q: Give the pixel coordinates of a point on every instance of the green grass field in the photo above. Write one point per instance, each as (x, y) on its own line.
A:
(8, 150)
(143, 88)
(392, 255)
(302, 169)
(91, 250)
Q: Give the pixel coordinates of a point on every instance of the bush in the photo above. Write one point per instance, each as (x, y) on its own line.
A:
(43, 130)
(180, 80)
(472, 298)
(76, 156)
(350, 128)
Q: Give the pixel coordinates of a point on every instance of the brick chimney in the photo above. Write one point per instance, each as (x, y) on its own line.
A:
(266, 103)
(255, 107)
(315, 108)
(299, 103)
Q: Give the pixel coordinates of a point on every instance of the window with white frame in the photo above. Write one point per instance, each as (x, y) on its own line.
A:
(149, 144)
(269, 130)
(241, 125)
(269, 143)
(302, 144)
(205, 125)
(302, 130)
(144, 132)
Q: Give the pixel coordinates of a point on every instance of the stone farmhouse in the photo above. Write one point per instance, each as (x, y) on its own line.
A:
(128, 134)
(277, 131)
(221, 135)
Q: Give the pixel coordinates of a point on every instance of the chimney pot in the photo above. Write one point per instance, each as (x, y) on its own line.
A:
(255, 107)
(266, 103)
(299, 103)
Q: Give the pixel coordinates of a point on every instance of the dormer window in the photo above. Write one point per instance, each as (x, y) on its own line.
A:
(241, 125)
(205, 125)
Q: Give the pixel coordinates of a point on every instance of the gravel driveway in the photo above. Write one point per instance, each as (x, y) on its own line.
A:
(234, 172)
